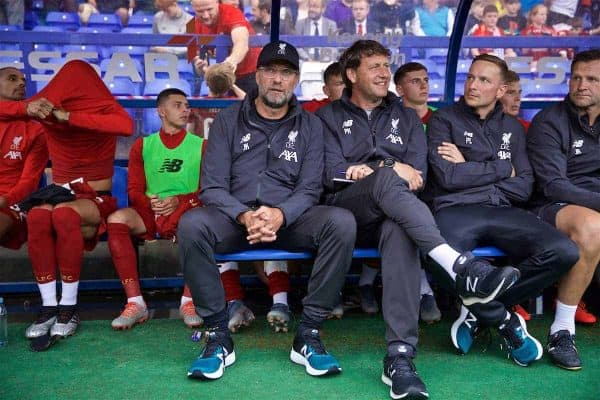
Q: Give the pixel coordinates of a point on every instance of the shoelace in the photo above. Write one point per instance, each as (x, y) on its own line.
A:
(213, 344)
(402, 365)
(314, 342)
(510, 335)
(45, 314)
(130, 310)
(562, 341)
(188, 308)
(65, 314)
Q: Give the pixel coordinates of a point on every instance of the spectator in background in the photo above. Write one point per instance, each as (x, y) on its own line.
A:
(333, 87)
(214, 18)
(261, 23)
(513, 21)
(475, 15)
(396, 16)
(561, 11)
(12, 12)
(171, 19)
(511, 101)
(317, 25)
(434, 20)
(24, 155)
(119, 7)
(220, 80)
(536, 26)
(361, 22)
(339, 11)
(489, 27)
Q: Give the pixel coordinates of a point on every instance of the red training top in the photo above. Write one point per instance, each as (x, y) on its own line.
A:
(85, 145)
(230, 18)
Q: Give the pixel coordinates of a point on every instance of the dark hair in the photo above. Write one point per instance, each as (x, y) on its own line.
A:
(164, 95)
(332, 70)
(490, 8)
(406, 68)
(350, 58)
(512, 76)
(585, 56)
(264, 5)
(500, 63)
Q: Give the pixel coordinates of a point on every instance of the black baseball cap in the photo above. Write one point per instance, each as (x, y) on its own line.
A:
(279, 51)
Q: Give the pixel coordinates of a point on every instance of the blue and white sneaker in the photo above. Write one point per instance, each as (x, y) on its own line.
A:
(216, 355)
(309, 350)
(463, 330)
(522, 347)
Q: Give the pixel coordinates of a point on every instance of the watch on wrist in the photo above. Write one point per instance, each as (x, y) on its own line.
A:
(389, 162)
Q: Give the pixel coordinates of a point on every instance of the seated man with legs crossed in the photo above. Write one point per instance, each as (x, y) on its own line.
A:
(565, 154)
(261, 182)
(163, 182)
(371, 138)
(480, 174)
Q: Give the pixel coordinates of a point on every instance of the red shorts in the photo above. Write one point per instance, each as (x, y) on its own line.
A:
(105, 202)
(17, 235)
(163, 226)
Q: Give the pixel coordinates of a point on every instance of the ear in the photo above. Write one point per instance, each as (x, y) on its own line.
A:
(399, 91)
(501, 91)
(326, 91)
(351, 74)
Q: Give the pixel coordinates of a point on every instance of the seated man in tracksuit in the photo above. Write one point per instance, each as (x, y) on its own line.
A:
(260, 185)
(565, 155)
(480, 174)
(372, 139)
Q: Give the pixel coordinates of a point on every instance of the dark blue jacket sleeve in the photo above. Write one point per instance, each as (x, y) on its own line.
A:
(308, 187)
(549, 161)
(216, 171)
(519, 188)
(459, 176)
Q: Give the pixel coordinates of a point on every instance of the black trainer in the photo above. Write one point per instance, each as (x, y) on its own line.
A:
(214, 358)
(309, 350)
(477, 281)
(400, 374)
(562, 350)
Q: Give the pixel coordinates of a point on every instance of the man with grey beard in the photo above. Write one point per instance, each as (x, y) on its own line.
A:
(261, 183)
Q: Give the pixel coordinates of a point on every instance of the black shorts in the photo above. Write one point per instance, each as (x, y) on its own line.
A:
(548, 212)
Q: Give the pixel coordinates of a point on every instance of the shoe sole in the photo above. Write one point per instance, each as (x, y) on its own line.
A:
(454, 330)
(278, 323)
(407, 395)
(127, 327)
(300, 360)
(502, 287)
(246, 320)
(537, 343)
(229, 360)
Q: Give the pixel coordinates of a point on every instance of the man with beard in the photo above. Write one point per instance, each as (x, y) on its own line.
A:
(260, 184)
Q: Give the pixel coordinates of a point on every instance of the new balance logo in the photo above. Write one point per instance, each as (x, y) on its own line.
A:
(471, 284)
(171, 165)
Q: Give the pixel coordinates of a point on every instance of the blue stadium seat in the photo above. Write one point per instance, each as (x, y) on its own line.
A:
(436, 87)
(186, 70)
(94, 29)
(433, 70)
(10, 28)
(49, 28)
(122, 87)
(158, 85)
(134, 51)
(30, 20)
(69, 21)
(111, 21)
(136, 29)
(72, 48)
(150, 121)
(528, 113)
(119, 188)
(140, 20)
(437, 55)
(545, 90)
(105, 63)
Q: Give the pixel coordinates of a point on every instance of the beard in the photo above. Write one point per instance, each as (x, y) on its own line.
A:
(274, 101)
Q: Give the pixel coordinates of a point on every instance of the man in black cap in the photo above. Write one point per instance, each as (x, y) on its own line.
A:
(261, 182)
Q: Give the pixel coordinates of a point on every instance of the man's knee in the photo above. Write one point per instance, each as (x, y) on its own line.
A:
(341, 223)
(567, 253)
(193, 225)
(119, 217)
(587, 235)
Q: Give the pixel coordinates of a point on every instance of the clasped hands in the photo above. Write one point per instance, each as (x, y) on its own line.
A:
(262, 224)
(41, 108)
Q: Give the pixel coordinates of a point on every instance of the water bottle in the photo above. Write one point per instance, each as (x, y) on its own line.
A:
(3, 324)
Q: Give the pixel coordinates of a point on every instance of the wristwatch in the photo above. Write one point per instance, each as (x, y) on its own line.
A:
(389, 162)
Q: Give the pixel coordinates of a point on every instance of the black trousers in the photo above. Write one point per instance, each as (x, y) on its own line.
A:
(328, 231)
(391, 217)
(540, 252)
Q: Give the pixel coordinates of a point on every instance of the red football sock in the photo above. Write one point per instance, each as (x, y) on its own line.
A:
(278, 282)
(186, 291)
(123, 255)
(232, 285)
(40, 245)
(69, 243)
